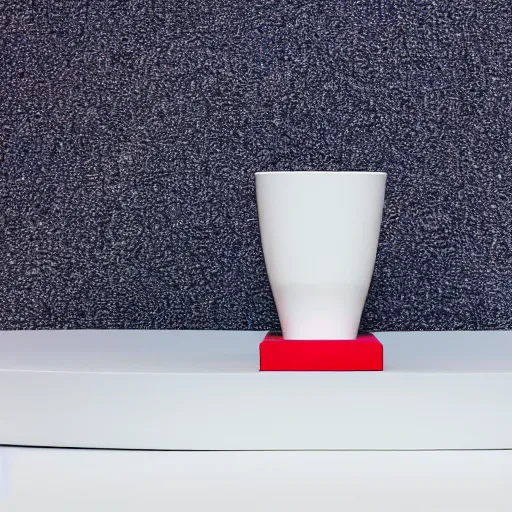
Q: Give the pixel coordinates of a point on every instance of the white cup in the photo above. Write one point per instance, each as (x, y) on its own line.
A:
(320, 232)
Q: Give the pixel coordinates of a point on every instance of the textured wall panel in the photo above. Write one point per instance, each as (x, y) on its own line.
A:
(131, 131)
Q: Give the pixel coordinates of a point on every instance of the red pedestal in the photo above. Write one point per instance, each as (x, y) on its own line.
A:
(363, 354)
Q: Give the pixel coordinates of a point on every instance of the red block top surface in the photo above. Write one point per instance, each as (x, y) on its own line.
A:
(363, 354)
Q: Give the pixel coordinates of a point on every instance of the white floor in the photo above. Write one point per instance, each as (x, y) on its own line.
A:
(37, 479)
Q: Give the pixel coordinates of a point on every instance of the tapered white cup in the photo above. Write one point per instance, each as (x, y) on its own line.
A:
(320, 232)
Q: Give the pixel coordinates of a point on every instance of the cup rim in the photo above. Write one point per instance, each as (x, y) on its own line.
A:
(321, 172)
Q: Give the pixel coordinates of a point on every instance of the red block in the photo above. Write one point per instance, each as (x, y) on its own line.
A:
(363, 354)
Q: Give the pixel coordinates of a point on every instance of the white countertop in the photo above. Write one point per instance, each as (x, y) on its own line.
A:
(236, 351)
(201, 390)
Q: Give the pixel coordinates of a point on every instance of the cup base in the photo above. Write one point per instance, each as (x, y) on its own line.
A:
(365, 353)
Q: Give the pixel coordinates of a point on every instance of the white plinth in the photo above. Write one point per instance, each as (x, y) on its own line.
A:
(201, 390)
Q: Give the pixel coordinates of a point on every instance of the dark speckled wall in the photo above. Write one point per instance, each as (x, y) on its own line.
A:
(131, 131)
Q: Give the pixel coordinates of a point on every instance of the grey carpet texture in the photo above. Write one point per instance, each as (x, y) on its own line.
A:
(131, 132)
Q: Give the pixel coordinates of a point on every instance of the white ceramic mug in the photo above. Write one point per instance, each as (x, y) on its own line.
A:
(320, 232)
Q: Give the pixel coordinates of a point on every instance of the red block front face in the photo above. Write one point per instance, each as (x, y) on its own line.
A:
(363, 354)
